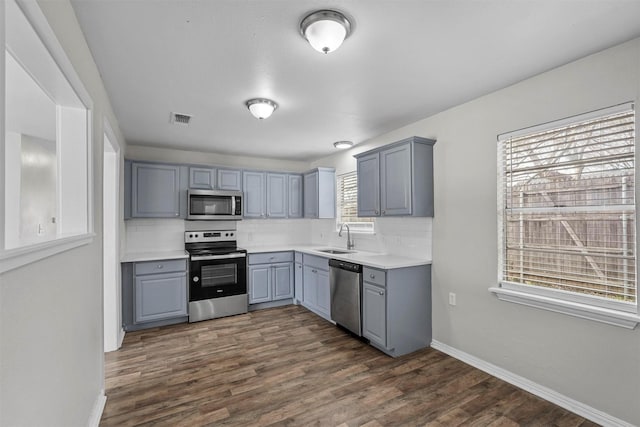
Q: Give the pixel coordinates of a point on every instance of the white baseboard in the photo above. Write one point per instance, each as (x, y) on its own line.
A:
(96, 412)
(121, 334)
(545, 393)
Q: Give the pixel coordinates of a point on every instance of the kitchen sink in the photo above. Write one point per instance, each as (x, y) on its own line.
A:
(335, 251)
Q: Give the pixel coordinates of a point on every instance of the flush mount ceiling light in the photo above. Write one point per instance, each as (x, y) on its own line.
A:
(325, 30)
(343, 144)
(261, 108)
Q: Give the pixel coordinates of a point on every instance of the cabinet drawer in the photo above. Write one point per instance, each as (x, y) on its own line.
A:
(270, 257)
(160, 266)
(374, 276)
(316, 261)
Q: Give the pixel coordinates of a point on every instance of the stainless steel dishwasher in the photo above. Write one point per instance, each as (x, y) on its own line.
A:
(345, 279)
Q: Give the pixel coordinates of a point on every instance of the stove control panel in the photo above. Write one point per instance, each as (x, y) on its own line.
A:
(209, 236)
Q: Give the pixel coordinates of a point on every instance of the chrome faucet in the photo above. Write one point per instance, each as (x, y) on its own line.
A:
(350, 243)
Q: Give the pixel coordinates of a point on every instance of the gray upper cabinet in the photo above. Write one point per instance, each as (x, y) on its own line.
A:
(202, 178)
(277, 206)
(397, 179)
(369, 185)
(253, 187)
(156, 191)
(295, 196)
(320, 193)
(229, 179)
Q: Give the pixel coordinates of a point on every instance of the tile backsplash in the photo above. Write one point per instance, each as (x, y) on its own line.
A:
(273, 232)
(154, 235)
(399, 236)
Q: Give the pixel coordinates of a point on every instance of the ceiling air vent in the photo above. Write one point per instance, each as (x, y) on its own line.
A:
(181, 119)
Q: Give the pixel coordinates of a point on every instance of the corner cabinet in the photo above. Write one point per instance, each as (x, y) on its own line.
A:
(320, 193)
(397, 179)
(396, 308)
(155, 190)
(154, 293)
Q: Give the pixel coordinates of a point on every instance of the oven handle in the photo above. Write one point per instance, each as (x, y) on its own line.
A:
(226, 256)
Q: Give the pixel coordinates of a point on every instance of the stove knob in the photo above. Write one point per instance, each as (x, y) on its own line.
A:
(196, 279)
(226, 234)
(190, 235)
(231, 234)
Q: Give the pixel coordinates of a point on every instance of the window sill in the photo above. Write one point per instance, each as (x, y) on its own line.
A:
(584, 311)
(14, 258)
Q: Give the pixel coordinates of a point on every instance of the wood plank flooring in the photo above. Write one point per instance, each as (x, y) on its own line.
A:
(287, 366)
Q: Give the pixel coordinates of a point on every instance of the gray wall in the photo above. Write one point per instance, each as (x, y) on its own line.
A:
(51, 352)
(593, 363)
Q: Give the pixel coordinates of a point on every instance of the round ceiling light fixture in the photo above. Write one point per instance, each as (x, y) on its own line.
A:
(325, 30)
(343, 144)
(261, 108)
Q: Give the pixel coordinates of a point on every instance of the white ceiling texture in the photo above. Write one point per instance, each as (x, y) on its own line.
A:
(405, 60)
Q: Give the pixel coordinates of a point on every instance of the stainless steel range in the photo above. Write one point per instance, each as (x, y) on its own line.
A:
(217, 274)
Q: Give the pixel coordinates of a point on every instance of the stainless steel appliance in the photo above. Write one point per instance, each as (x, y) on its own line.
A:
(345, 279)
(214, 205)
(217, 275)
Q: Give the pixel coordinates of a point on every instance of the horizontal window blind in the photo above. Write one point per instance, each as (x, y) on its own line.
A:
(569, 207)
(348, 204)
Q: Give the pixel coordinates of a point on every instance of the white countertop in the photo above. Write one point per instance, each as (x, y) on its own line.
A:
(154, 256)
(371, 259)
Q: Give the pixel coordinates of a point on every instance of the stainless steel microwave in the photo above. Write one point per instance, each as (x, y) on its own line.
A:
(214, 205)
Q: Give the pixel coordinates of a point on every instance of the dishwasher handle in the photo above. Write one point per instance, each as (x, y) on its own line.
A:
(344, 265)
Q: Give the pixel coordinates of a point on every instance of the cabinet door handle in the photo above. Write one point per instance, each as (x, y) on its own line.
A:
(372, 276)
(160, 266)
(384, 212)
(381, 293)
(376, 212)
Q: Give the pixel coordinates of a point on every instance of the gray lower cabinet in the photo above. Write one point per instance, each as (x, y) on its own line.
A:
(156, 191)
(270, 277)
(397, 179)
(154, 293)
(315, 285)
(396, 308)
(320, 193)
(298, 278)
(374, 313)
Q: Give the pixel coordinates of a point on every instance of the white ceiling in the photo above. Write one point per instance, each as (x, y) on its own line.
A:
(405, 60)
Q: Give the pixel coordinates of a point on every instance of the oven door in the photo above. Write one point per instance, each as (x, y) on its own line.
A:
(216, 276)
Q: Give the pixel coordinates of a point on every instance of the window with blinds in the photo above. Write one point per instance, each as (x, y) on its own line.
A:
(348, 205)
(568, 208)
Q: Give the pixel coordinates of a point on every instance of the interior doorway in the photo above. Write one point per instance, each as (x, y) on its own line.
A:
(112, 311)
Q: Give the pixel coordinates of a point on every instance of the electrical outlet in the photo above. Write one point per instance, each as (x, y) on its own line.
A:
(452, 298)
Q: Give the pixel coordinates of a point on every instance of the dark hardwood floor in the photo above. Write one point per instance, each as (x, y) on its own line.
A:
(287, 366)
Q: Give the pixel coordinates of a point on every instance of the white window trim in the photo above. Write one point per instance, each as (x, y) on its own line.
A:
(608, 312)
(14, 258)
(575, 309)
